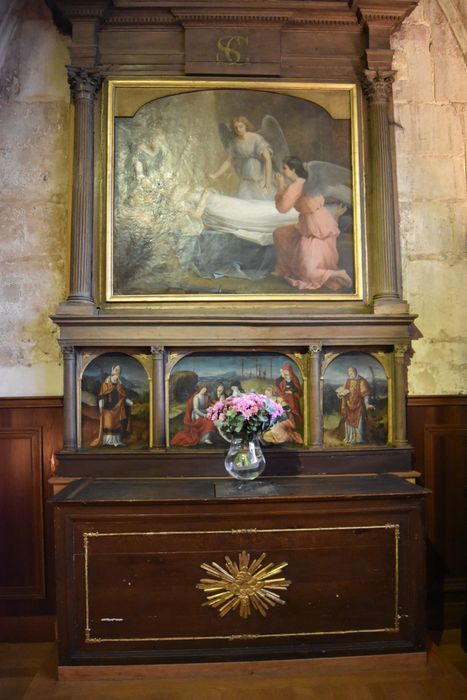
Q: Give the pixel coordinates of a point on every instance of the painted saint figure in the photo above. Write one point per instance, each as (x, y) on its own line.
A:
(114, 409)
(199, 429)
(290, 390)
(283, 430)
(355, 404)
(236, 388)
(221, 393)
(307, 255)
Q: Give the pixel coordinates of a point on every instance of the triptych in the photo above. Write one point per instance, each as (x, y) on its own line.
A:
(118, 397)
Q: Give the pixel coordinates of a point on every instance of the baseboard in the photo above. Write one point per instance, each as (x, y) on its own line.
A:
(405, 661)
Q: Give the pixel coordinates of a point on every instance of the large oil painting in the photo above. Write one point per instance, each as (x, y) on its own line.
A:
(114, 391)
(198, 380)
(245, 189)
(355, 401)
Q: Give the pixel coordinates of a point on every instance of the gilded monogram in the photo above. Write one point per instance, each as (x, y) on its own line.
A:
(227, 53)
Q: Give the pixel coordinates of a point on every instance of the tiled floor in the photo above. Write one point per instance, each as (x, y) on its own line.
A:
(27, 672)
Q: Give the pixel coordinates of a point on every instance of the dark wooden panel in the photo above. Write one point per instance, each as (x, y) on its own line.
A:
(142, 41)
(437, 428)
(30, 433)
(123, 571)
(196, 463)
(35, 628)
(445, 474)
(22, 573)
(322, 44)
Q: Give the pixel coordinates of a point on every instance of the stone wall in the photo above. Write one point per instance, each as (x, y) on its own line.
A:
(34, 147)
(430, 95)
(431, 115)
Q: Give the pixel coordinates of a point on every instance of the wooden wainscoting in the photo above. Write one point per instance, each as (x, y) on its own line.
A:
(30, 433)
(437, 428)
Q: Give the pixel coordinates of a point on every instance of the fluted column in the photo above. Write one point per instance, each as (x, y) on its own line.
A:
(315, 418)
(377, 86)
(158, 396)
(400, 394)
(69, 399)
(84, 87)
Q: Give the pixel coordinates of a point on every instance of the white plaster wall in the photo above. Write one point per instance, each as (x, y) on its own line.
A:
(34, 117)
(430, 96)
(431, 108)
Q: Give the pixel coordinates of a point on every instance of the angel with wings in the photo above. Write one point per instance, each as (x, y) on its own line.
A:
(252, 155)
(307, 255)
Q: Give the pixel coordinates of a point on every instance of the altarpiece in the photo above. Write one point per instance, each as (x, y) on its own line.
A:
(195, 263)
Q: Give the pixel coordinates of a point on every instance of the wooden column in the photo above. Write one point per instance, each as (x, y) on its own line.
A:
(69, 399)
(158, 396)
(315, 418)
(84, 87)
(400, 394)
(377, 86)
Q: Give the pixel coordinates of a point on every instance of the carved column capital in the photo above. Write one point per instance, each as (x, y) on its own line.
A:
(158, 352)
(377, 85)
(400, 350)
(403, 353)
(83, 84)
(315, 348)
(68, 352)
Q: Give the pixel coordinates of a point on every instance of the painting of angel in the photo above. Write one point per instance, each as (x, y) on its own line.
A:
(306, 251)
(251, 155)
(233, 191)
(199, 380)
(355, 398)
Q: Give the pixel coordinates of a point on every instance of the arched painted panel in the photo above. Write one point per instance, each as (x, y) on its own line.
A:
(114, 403)
(204, 378)
(355, 401)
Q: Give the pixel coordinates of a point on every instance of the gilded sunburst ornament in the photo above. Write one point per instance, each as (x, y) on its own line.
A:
(243, 586)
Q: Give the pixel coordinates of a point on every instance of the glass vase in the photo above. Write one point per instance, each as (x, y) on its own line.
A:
(245, 460)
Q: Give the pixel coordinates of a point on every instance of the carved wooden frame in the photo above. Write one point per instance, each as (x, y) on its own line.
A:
(325, 44)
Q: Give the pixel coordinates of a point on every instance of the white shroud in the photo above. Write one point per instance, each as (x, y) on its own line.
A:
(250, 219)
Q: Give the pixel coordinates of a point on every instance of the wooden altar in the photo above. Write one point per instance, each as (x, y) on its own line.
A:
(132, 556)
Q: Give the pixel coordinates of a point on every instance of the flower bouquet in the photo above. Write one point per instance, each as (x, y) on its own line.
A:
(242, 419)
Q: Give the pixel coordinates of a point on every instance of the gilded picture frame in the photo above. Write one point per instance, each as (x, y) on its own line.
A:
(198, 206)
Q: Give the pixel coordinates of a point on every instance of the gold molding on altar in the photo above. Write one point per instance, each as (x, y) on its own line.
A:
(89, 639)
(244, 586)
